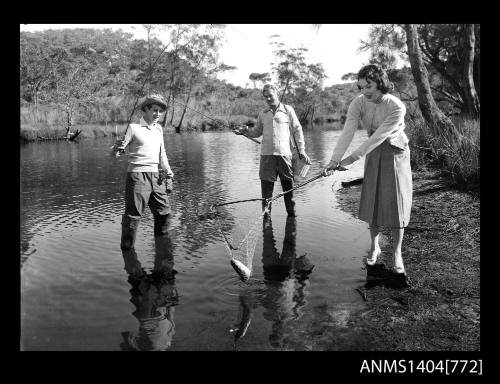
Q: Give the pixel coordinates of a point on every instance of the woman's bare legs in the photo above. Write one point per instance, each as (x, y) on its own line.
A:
(375, 247)
(397, 241)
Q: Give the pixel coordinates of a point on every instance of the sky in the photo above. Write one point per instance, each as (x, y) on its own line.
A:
(247, 46)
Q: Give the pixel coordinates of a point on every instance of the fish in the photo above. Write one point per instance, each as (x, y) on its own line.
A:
(246, 318)
(241, 269)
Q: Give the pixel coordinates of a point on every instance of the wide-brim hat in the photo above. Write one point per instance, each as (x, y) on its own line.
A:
(152, 99)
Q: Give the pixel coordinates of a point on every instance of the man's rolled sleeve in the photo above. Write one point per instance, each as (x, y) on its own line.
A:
(297, 130)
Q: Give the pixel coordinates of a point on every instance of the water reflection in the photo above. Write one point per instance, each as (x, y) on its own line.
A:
(285, 279)
(154, 296)
(71, 204)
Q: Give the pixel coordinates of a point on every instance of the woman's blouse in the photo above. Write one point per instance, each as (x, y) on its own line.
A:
(383, 121)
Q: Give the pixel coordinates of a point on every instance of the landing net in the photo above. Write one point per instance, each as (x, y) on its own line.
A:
(240, 224)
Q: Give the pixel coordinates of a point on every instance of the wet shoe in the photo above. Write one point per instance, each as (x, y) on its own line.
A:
(372, 260)
(378, 271)
(399, 280)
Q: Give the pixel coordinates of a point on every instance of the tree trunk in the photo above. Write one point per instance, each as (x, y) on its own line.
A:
(284, 91)
(173, 112)
(471, 98)
(435, 118)
(178, 128)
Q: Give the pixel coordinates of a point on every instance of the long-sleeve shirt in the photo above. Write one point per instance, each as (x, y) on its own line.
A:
(275, 131)
(146, 147)
(382, 121)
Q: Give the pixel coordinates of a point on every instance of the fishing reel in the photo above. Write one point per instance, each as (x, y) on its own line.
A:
(164, 177)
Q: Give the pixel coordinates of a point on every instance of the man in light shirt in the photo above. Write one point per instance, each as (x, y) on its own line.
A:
(279, 127)
(147, 157)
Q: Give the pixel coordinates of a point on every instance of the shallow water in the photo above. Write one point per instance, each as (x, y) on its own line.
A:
(74, 289)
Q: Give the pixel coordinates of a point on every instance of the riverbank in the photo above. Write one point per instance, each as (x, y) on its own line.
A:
(440, 311)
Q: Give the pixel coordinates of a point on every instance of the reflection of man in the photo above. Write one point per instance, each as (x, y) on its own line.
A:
(284, 276)
(278, 125)
(154, 297)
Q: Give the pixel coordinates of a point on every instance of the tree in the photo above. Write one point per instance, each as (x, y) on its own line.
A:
(259, 78)
(289, 66)
(450, 53)
(76, 84)
(435, 118)
(470, 94)
(38, 63)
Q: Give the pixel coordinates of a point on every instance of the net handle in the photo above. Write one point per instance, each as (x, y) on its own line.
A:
(294, 188)
(268, 200)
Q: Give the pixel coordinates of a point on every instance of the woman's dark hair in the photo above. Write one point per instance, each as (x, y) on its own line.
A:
(376, 74)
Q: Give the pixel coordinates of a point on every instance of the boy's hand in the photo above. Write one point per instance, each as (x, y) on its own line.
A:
(241, 130)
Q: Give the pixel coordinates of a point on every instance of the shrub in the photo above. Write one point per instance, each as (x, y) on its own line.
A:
(456, 152)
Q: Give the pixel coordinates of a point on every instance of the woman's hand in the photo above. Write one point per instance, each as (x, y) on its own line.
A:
(336, 166)
(330, 168)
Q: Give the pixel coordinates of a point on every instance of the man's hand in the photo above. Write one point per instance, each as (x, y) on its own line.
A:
(243, 130)
(305, 157)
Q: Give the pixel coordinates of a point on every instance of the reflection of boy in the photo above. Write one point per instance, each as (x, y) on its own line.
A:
(154, 310)
(154, 297)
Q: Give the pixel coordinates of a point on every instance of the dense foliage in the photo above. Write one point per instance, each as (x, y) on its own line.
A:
(95, 76)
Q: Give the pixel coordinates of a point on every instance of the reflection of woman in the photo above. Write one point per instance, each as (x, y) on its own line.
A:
(386, 195)
(154, 297)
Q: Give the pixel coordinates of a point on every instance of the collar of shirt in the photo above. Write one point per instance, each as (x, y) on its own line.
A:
(280, 107)
(143, 123)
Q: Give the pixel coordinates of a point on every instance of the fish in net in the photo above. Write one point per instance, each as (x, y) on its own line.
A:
(240, 230)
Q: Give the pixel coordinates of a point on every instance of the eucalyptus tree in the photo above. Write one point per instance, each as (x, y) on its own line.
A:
(38, 60)
(288, 67)
(77, 83)
(203, 60)
(434, 117)
(450, 52)
(259, 78)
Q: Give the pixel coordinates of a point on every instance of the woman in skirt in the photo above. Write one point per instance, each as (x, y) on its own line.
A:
(386, 195)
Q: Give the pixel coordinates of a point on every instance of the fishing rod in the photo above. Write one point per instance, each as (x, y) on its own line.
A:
(216, 121)
(140, 92)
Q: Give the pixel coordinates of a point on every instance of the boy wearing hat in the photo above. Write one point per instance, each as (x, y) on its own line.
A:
(147, 157)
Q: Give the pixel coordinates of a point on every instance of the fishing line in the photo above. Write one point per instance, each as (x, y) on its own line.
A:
(214, 120)
(145, 80)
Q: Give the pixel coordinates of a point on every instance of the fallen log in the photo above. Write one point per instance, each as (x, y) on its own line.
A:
(352, 182)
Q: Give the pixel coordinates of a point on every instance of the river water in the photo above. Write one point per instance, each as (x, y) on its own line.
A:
(75, 293)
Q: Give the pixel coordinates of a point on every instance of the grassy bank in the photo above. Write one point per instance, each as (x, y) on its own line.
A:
(440, 311)
(457, 153)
